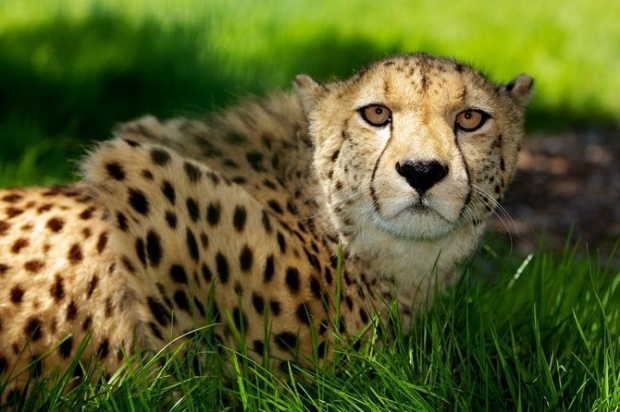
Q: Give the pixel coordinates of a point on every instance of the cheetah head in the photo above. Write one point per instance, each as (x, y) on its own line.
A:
(414, 145)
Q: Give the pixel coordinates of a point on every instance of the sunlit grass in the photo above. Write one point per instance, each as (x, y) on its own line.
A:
(539, 334)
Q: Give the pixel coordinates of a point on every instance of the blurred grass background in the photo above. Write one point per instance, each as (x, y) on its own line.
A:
(70, 70)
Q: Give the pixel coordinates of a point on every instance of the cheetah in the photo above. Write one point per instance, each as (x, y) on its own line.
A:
(293, 219)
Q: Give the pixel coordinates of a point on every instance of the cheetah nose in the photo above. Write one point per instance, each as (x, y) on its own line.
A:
(422, 175)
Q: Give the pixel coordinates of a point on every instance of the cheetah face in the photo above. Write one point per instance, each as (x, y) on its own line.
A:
(414, 145)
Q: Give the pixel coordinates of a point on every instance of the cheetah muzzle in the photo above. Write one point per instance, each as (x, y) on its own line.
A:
(236, 220)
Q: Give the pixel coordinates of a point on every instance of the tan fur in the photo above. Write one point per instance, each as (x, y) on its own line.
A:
(249, 206)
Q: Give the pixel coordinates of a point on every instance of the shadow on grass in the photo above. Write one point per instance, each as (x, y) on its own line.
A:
(66, 82)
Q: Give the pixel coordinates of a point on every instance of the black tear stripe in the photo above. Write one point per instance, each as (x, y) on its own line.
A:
(469, 184)
(373, 194)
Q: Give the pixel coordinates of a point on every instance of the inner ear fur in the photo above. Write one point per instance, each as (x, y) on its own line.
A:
(521, 88)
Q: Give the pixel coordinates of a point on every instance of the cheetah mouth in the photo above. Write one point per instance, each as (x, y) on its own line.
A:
(420, 209)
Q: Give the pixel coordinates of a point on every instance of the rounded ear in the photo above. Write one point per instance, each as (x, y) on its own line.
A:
(308, 91)
(520, 88)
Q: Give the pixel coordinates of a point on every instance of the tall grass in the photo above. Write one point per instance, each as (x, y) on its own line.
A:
(534, 334)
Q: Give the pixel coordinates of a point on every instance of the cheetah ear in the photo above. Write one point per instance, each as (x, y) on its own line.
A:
(520, 88)
(308, 91)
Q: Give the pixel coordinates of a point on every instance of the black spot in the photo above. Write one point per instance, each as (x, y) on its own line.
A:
(303, 314)
(71, 311)
(102, 242)
(178, 274)
(239, 218)
(200, 307)
(87, 213)
(180, 298)
(55, 224)
(275, 161)
(215, 179)
(171, 219)
(342, 327)
(192, 172)
(266, 222)
(259, 347)
(213, 213)
(153, 248)
(192, 245)
(57, 290)
(160, 156)
(230, 163)
(33, 329)
(206, 272)
(292, 208)
(313, 260)
(349, 302)
(269, 184)
(275, 206)
(140, 252)
(159, 312)
(66, 347)
(286, 340)
(335, 155)
(33, 266)
(36, 366)
(4, 364)
(92, 285)
(104, 349)
(502, 164)
(321, 350)
(241, 321)
(328, 276)
(115, 171)
(75, 254)
(138, 201)
(168, 191)
(192, 209)
(255, 159)
(240, 180)
(147, 174)
(121, 220)
(269, 269)
(204, 240)
(87, 323)
(156, 331)
(245, 259)
(17, 293)
(333, 260)
(258, 302)
(315, 287)
(363, 315)
(292, 279)
(222, 268)
(281, 242)
(274, 307)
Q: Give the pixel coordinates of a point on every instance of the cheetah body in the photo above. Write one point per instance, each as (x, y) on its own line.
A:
(237, 220)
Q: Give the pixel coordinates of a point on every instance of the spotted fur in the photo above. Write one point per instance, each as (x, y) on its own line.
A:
(236, 220)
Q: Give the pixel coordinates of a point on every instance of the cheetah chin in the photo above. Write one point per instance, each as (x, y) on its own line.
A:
(235, 221)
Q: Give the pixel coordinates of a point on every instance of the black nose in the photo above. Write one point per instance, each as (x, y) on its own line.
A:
(422, 175)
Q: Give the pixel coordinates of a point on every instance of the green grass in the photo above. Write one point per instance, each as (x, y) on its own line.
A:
(534, 334)
(516, 334)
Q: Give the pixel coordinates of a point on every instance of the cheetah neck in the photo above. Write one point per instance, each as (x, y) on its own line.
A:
(409, 264)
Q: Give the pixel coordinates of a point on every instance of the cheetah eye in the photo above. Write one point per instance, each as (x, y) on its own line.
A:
(471, 119)
(376, 115)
